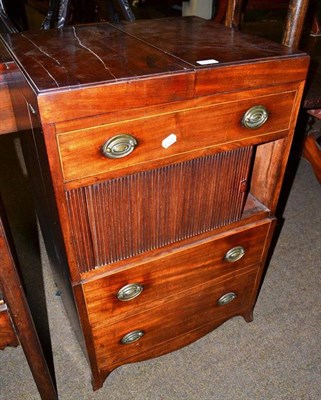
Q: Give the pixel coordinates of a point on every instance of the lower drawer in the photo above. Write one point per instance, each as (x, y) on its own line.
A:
(173, 273)
(216, 300)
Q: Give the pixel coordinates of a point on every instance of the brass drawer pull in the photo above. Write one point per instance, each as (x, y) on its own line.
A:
(255, 117)
(132, 337)
(130, 292)
(234, 254)
(226, 298)
(119, 146)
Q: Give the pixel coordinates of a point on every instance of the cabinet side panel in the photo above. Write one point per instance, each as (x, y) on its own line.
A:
(47, 213)
(271, 161)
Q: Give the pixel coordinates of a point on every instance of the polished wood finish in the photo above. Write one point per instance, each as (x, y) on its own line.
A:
(16, 323)
(316, 26)
(234, 13)
(11, 88)
(294, 22)
(192, 136)
(312, 153)
(197, 308)
(163, 217)
(312, 146)
(178, 78)
(8, 122)
(167, 275)
(8, 335)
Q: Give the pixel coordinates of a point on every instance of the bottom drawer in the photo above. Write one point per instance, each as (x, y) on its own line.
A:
(203, 305)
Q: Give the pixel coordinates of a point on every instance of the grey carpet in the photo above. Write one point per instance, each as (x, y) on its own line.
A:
(277, 356)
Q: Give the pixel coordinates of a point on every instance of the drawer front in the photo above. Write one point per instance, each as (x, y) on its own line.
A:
(195, 129)
(152, 283)
(173, 319)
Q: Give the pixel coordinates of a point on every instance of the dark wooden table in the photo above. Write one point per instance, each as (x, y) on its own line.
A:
(16, 323)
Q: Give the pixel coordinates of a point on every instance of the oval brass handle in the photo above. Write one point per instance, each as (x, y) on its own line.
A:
(132, 337)
(130, 291)
(226, 298)
(234, 254)
(119, 146)
(255, 117)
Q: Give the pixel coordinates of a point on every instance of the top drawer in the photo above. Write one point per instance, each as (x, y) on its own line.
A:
(197, 131)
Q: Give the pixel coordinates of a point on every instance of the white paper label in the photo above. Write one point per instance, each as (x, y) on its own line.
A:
(207, 62)
(171, 139)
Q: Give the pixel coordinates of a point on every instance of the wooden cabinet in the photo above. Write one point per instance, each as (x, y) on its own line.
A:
(157, 152)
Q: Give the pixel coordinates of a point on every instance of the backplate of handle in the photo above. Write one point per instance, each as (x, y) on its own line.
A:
(226, 298)
(130, 291)
(234, 254)
(132, 337)
(119, 146)
(255, 117)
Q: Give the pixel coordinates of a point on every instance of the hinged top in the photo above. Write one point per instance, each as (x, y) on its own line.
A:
(102, 68)
(106, 53)
(194, 40)
(84, 55)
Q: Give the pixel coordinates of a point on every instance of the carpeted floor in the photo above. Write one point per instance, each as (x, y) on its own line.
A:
(277, 356)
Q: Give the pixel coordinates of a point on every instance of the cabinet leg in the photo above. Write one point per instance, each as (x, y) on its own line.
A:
(97, 382)
(312, 152)
(248, 316)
